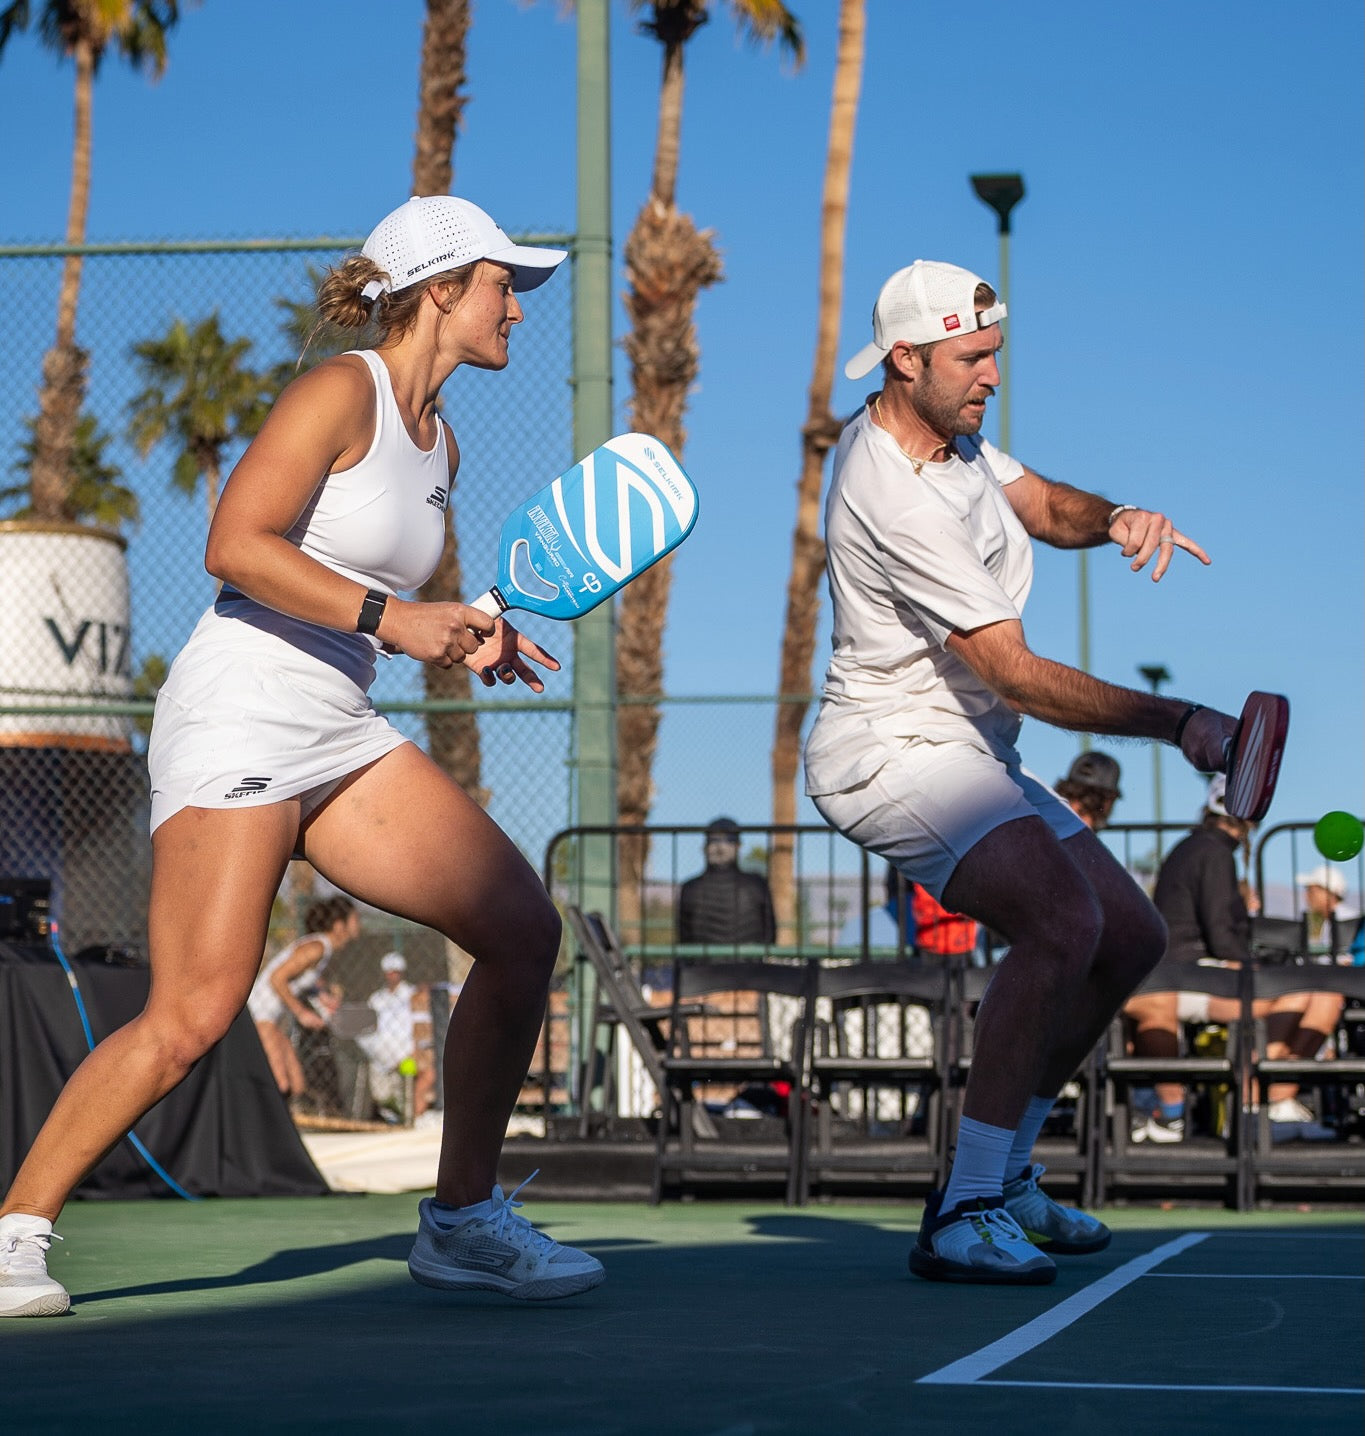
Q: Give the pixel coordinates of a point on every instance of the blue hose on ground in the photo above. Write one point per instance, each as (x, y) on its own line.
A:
(133, 1138)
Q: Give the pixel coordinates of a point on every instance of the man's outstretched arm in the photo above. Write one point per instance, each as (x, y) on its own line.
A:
(1067, 698)
(1066, 517)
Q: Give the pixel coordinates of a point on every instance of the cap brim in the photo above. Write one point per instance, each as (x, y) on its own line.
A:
(865, 361)
(530, 266)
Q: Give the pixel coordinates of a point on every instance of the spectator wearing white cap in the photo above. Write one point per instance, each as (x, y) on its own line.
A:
(1324, 891)
(1198, 894)
(928, 529)
(266, 745)
(394, 1039)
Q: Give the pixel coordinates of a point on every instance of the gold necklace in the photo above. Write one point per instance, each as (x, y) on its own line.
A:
(919, 464)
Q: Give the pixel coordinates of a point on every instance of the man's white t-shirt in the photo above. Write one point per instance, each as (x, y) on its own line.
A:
(912, 558)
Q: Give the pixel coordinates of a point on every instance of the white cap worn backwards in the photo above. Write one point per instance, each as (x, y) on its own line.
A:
(921, 304)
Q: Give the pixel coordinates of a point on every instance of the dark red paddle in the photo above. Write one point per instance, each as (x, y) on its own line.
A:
(1253, 755)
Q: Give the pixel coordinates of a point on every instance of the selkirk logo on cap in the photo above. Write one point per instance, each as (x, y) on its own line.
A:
(952, 322)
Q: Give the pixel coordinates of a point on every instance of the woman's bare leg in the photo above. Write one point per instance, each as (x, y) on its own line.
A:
(214, 876)
(401, 836)
(285, 1067)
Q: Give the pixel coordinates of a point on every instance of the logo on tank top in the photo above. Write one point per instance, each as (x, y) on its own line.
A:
(246, 787)
(437, 497)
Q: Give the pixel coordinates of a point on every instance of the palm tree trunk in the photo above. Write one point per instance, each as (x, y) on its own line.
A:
(64, 365)
(818, 435)
(452, 738)
(668, 262)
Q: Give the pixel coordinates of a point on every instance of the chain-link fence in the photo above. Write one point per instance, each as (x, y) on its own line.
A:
(98, 599)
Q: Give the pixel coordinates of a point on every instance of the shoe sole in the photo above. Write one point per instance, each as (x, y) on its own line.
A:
(49, 1303)
(445, 1278)
(936, 1268)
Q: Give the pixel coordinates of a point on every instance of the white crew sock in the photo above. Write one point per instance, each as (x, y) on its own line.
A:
(1020, 1161)
(978, 1163)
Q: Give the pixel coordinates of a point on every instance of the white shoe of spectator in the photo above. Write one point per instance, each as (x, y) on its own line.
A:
(1160, 1129)
(25, 1287)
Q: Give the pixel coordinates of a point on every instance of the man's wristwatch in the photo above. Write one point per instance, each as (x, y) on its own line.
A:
(371, 612)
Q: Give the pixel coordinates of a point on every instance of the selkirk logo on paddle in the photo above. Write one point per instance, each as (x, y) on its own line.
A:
(248, 787)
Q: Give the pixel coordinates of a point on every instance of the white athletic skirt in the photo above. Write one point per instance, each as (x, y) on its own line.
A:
(246, 719)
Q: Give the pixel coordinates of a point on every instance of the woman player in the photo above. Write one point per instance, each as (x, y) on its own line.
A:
(265, 745)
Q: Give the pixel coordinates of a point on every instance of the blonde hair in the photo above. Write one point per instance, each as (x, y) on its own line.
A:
(392, 313)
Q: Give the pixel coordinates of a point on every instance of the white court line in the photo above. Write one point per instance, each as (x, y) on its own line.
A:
(1192, 1386)
(1253, 1276)
(1043, 1328)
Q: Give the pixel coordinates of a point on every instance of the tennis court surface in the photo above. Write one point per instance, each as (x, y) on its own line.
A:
(716, 1318)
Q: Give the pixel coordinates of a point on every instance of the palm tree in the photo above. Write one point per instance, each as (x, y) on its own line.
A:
(452, 738)
(95, 495)
(82, 30)
(818, 435)
(201, 394)
(668, 263)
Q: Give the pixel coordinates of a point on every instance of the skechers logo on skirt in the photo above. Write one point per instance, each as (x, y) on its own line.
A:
(248, 786)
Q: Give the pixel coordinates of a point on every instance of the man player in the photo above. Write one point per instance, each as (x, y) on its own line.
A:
(913, 752)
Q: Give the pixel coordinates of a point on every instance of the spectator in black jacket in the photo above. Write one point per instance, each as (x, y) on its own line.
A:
(724, 904)
(1198, 894)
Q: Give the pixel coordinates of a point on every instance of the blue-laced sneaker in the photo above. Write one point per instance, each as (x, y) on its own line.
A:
(977, 1241)
(1049, 1225)
(498, 1252)
(25, 1287)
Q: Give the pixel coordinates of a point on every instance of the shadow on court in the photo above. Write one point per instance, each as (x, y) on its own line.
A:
(714, 1319)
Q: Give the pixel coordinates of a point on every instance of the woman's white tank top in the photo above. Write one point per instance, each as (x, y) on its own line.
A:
(380, 522)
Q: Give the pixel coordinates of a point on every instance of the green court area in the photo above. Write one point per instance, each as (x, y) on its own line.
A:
(716, 1318)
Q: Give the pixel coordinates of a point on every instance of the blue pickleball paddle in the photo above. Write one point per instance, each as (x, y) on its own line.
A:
(593, 529)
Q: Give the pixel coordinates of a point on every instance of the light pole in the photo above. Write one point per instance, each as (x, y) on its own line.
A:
(1002, 193)
(1156, 674)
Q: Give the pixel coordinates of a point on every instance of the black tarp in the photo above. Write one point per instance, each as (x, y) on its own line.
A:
(224, 1132)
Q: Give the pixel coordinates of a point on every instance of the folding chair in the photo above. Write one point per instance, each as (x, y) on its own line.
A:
(1305, 1164)
(1223, 1156)
(621, 1003)
(877, 1033)
(732, 1045)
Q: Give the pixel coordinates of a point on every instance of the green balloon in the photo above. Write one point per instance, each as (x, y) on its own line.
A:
(1339, 836)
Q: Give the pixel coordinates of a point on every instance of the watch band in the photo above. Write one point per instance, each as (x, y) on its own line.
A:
(371, 612)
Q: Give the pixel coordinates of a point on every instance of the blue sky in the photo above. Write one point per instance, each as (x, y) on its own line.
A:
(1185, 326)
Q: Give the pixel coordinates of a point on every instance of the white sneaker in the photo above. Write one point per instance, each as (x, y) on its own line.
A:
(498, 1252)
(25, 1287)
(1064, 1231)
(1289, 1109)
(1159, 1129)
(978, 1241)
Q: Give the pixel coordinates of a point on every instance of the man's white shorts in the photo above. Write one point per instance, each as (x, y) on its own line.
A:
(930, 804)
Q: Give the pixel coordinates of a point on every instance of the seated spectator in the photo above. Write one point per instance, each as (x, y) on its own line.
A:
(724, 904)
(922, 925)
(1324, 890)
(1091, 788)
(1197, 893)
(291, 991)
(394, 1040)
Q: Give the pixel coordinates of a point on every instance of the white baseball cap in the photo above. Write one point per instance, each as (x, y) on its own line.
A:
(433, 233)
(1216, 802)
(393, 962)
(921, 304)
(1323, 877)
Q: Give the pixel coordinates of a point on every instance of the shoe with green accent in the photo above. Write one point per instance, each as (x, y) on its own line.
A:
(1065, 1231)
(977, 1241)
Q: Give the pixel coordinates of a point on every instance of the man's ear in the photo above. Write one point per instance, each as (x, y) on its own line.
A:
(905, 361)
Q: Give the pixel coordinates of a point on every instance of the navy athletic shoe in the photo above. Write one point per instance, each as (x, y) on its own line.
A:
(1049, 1225)
(977, 1241)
